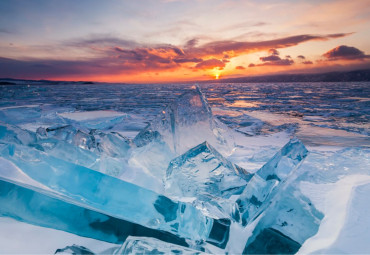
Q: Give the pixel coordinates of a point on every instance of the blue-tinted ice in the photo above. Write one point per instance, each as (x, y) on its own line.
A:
(91, 189)
(145, 245)
(58, 163)
(265, 183)
(186, 123)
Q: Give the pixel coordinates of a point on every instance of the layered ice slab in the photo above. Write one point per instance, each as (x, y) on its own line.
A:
(186, 123)
(93, 190)
(27, 205)
(285, 225)
(265, 183)
(145, 245)
(202, 171)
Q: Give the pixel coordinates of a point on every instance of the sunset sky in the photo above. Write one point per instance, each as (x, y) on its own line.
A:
(180, 40)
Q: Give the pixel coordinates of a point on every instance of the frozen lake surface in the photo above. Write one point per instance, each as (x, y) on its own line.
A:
(227, 168)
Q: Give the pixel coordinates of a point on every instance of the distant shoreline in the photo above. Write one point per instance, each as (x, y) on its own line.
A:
(347, 76)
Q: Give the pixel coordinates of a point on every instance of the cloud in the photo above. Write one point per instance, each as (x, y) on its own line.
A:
(210, 64)
(236, 48)
(307, 62)
(273, 52)
(301, 57)
(108, 55)
(281, 62)
(251, 65)
(270, 58)
(240, 68)
(274, 60)
(344, 52)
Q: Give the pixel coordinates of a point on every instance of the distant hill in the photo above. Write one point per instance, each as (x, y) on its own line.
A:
(10, 81)
(358, 75)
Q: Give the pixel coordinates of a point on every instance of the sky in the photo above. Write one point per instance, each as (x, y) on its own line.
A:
(180, 40)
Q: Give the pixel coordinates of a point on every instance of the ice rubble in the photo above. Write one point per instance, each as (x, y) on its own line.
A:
(59, 177)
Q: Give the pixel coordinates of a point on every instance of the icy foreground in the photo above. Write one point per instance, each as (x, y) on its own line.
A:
(182, 185)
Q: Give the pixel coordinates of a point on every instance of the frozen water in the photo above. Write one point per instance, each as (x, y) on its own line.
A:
(186, 123)
(264, 184)
(49, 135)
(202, 171)
(145, 245)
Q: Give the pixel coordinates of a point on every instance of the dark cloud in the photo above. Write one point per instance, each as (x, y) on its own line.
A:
(274, 60)
(191, 43)
(251, 65)
(210, 64)
(101, 41)
(270, 58)
(307, 62)
(273, 52)
(240, 68)
(281, 62)
(187, 60)
(301, 57)
(6, 31)
(344, 52)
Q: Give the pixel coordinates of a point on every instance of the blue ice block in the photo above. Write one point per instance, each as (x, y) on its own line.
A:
(93, 190)
(202, 171)
(266, 181)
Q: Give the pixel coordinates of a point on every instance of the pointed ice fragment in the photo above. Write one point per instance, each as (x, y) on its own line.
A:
(90, 189)
(74, 249)
(202, 171)
(186, 123)
(147, 245)
(262, 187)
(285, 225)
(111, 144)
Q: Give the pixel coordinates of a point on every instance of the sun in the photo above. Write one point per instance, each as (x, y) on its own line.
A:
(216, 74)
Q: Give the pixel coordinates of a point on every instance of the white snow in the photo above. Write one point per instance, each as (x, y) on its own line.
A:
(22, 238)
(345, 226)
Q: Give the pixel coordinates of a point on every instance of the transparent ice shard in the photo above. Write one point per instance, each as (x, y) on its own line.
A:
(186, 123)
(91, 189)
(285, 225)
(102, 120)
(146, 245)
(111, 144)
(265, 182)
(152, 160)
(202, 171)
(27, 205)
